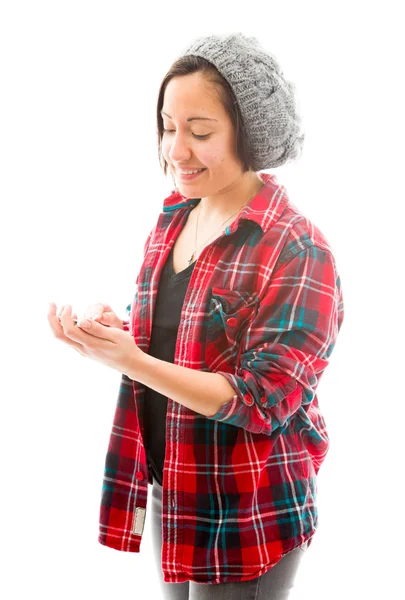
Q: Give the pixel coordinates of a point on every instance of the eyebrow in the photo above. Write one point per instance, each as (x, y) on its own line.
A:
(192, 118)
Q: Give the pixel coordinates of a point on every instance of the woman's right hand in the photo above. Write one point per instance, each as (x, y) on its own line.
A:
(102, 313)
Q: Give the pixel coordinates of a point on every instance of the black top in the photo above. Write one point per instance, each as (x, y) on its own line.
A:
(166, 320)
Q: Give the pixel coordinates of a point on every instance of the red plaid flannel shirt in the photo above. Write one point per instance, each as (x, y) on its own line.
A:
(263, 308)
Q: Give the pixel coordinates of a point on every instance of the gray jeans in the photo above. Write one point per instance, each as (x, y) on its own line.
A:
(276, 584)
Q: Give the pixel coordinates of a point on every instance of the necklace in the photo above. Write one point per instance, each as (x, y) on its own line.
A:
(190, 260)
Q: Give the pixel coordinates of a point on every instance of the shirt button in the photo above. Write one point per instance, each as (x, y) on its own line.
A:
(263, 399)
(173, 503)
(231, 321)
(248, 399)
(139, 475)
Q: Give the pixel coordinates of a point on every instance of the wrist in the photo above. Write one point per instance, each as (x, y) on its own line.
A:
(137, 363)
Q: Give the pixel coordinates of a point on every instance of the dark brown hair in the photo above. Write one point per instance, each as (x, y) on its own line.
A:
(187, 65)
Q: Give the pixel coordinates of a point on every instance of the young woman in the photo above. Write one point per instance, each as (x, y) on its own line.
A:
(237, 311)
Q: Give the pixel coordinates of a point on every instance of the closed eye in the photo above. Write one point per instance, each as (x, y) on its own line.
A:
(199, 137)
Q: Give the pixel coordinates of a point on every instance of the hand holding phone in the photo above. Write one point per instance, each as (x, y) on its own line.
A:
(102, 313)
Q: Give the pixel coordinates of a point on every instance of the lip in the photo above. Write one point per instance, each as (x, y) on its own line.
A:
(189, 177)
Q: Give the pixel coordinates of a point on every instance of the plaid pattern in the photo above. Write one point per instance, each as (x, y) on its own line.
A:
(263, 308)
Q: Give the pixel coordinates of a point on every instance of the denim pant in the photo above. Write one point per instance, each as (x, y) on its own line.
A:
(276, 584)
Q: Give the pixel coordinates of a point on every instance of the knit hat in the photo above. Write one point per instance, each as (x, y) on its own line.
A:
(266, 100)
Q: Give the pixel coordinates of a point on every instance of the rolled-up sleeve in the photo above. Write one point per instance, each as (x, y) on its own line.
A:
(287, 345)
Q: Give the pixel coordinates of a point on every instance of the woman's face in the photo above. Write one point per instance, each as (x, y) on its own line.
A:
(206, 142)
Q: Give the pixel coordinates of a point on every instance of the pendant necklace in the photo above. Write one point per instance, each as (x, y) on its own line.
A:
(190, 260)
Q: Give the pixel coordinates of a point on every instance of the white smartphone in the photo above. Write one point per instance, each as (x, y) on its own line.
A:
(75, 322)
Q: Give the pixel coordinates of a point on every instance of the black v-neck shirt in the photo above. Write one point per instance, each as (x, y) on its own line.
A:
(166, 320)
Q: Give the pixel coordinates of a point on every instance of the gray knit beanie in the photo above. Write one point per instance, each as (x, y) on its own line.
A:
(266, 100)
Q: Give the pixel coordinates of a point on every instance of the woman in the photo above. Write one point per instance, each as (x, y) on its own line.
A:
(236, 314)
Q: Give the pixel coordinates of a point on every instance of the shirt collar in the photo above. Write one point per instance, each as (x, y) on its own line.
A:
(264, 208)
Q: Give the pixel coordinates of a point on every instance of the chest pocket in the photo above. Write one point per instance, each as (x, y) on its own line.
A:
(229, 315)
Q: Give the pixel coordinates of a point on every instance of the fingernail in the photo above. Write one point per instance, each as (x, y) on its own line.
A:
(86, 324)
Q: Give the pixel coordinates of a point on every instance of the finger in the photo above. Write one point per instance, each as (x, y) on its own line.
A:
(112, 320)
(109, 319)
(96, 310)
(104, 316)
(58, 330)
(52, 311)
(67, 310)
(98, 330)
(67, 318)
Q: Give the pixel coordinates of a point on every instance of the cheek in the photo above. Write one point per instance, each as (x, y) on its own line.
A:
(212, 155)
(218, 152)
(165, 148)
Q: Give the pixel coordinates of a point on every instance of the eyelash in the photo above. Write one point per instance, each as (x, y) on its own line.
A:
(199, 137)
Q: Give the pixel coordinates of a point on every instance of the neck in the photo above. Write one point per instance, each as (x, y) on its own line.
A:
(229, 200)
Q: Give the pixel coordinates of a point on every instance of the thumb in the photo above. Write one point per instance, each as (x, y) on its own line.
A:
(110, 318)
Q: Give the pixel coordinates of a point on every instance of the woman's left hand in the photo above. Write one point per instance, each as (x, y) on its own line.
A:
(109, 345)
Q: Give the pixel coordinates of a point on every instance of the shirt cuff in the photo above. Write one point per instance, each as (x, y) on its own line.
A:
(241, 410)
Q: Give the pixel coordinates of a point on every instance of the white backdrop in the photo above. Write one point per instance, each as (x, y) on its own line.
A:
(80, 189)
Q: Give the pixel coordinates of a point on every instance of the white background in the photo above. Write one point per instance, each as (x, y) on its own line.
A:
(80, 189)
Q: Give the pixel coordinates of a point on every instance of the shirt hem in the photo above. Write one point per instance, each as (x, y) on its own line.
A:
(230, 578)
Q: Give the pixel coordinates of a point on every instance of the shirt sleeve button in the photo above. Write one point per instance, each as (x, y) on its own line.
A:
(139, 475)
(231, 321)
(248, 399)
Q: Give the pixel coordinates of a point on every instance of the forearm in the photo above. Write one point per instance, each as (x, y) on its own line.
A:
(199, 391)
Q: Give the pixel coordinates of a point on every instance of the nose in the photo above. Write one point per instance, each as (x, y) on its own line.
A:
(179, 149)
